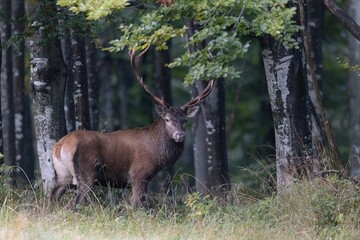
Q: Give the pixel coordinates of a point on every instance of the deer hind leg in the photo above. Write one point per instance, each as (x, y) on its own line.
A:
(63, 181)
(84, 188)
(57, 192)
(82, 194)
(84, 169)
(63, 174)
(85, 185)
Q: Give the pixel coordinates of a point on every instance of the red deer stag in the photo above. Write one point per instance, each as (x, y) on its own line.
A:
(123, 157)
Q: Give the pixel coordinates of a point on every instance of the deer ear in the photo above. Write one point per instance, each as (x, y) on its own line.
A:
(190, 112)
(160, 110)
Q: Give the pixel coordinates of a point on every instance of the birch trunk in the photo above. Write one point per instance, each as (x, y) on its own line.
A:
(47, 76)
(354, 87)
(287, 90)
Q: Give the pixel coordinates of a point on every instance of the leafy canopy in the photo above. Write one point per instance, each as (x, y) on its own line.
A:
(222, 25)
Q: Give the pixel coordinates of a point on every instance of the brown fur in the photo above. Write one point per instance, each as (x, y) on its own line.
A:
(119, 158)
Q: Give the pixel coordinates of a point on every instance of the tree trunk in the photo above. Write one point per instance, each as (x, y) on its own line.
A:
(319, 114)
(47, 76)
(214, 114)
(210, 145)
(123, 92)
(23, 126)
(69, 107)
(93, 84)
(28, 161)
(315, 69)
(286, 81)
(80, 85)
(201, 170)
(106, 94)
(7, 103)
(354, 84)
(1, 136)
(210, 155)
(286, 73)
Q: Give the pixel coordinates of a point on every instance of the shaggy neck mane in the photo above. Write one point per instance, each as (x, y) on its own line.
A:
(168, 150)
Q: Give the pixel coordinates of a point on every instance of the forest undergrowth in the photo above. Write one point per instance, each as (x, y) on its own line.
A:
(325, 208)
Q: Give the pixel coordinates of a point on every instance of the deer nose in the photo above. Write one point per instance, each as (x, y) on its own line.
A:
(179, 136)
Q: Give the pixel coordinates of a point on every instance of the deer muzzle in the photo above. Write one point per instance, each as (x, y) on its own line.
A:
(179, 136)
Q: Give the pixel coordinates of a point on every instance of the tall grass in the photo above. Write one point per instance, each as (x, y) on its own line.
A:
(322, 209)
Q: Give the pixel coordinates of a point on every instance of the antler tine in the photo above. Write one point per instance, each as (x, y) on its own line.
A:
(134, 60)
(205, 92)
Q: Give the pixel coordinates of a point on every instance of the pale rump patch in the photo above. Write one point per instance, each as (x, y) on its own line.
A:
(63, 164)
(67, 157)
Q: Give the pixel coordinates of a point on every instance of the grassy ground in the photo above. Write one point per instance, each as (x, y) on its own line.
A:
(322, 209)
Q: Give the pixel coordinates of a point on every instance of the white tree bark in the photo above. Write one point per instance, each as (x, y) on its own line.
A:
(277, 80)
(47, 77)
(43, 115)
(286, 82)
(285, 70)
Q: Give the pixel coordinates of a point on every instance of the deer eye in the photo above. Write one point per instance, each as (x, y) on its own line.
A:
(167, 119)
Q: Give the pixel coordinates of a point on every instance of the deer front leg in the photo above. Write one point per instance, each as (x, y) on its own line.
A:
(138, 194)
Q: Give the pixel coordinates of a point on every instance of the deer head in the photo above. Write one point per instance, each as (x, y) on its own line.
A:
(174, 117)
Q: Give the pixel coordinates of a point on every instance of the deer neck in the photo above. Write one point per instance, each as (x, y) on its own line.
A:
(168, 149)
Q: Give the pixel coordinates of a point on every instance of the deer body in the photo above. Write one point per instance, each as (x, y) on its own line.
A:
(124, 157)
(118, 158)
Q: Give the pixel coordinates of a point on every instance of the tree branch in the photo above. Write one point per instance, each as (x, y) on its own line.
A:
(342, 16)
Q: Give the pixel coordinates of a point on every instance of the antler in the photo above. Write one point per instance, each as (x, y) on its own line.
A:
(134, 60)
(207, 90)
